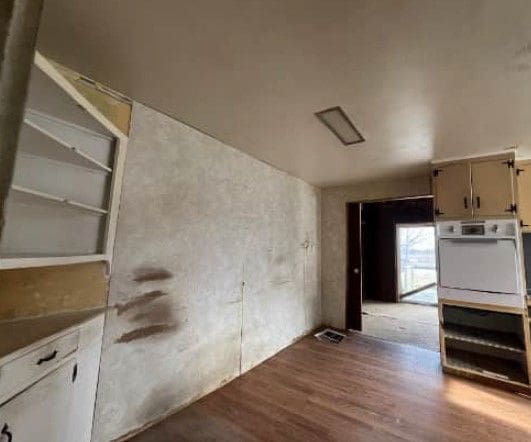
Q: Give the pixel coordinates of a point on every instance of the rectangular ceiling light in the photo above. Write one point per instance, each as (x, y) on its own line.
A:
(337, 121)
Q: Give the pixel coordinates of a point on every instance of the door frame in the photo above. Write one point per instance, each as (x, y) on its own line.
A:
(350, 299)
(397, 263)
(354, 289)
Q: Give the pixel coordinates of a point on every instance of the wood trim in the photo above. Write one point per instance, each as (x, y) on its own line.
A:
(397, 198)
(523, 194)
(490, 307)
(485, 378)
(527, 335)
(442, 344)
(354, 281)
(478, 157)
(114, 203)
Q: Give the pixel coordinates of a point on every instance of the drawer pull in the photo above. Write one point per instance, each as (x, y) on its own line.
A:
(47, 358)
(7, 433)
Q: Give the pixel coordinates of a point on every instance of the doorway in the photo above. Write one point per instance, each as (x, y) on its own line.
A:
(391, 282)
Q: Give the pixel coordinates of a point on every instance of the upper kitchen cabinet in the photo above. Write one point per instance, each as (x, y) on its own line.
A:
(475, 188)
(523, 178)
(62, 207)
(493, 188)
(451, 185)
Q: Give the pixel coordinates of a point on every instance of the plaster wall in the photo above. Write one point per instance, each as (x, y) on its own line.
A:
(334, 234)
(216, 268)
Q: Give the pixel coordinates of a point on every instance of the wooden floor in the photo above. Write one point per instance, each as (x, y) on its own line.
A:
(362, 389)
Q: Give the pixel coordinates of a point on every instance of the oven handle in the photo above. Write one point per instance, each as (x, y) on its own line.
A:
(471, 240)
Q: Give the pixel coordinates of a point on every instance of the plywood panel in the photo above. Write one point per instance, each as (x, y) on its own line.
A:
(47, 290)
(116, 108)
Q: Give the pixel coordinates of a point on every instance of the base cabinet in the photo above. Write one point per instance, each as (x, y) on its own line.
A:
(38, 413)
(56, 403)
(486, 343)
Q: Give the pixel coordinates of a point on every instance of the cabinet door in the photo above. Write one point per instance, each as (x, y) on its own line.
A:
(41, 412)
(492, 188)
(524, 194)
(451, 185)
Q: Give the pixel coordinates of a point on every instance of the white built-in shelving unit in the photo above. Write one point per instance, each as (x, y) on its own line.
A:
(63, 204)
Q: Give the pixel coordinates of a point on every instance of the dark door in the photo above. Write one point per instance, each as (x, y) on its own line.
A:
(354, 270)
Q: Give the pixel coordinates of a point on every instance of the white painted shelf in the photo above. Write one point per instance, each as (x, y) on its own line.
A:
(62, 207)
(37, 141)
(18, 261)
(24, 195)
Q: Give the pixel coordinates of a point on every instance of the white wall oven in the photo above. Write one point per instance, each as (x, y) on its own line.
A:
(480, 262)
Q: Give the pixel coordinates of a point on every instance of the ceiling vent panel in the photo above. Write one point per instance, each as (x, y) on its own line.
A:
(337, 121)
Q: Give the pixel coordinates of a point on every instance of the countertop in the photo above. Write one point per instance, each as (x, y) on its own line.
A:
(19, 333)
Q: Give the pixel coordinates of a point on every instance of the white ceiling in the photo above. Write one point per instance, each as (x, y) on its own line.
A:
(421, 80)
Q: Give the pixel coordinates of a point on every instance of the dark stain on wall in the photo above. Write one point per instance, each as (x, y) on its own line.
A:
(146, 332)
(153, 313)
(147, 274)
(139, 301)
(159, 402)
(524, 50)
(158, 313)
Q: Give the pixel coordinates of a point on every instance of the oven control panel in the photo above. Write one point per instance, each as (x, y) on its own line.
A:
(493, 228)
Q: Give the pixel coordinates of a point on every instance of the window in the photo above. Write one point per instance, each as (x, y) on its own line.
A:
(416, 258)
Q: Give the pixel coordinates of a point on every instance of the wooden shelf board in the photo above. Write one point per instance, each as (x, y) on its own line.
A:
(505, 341)
(12, 261)
(495, 368)
(55, 200)
(38, 141)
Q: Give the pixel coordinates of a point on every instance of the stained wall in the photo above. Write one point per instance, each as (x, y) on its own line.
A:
(216, 268)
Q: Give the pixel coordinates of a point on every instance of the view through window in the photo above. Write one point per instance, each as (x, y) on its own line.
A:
(416, 264)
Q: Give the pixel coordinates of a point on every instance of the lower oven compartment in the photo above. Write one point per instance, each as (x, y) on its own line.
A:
(485, 342)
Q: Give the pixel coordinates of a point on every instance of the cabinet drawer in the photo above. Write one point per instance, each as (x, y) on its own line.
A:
(20, 372)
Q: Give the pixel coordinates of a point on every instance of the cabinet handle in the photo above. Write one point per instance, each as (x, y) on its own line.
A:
(522, 224)
(47, 358)
(478, 202)
(465, 202)
(74, 374)
(7, 433)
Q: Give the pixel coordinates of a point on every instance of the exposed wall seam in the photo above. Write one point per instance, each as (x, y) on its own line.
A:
(241, 316)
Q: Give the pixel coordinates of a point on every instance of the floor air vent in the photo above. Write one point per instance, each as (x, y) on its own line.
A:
(329, 335)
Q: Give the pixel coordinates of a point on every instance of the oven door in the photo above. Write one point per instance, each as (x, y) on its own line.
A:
(486, 265)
